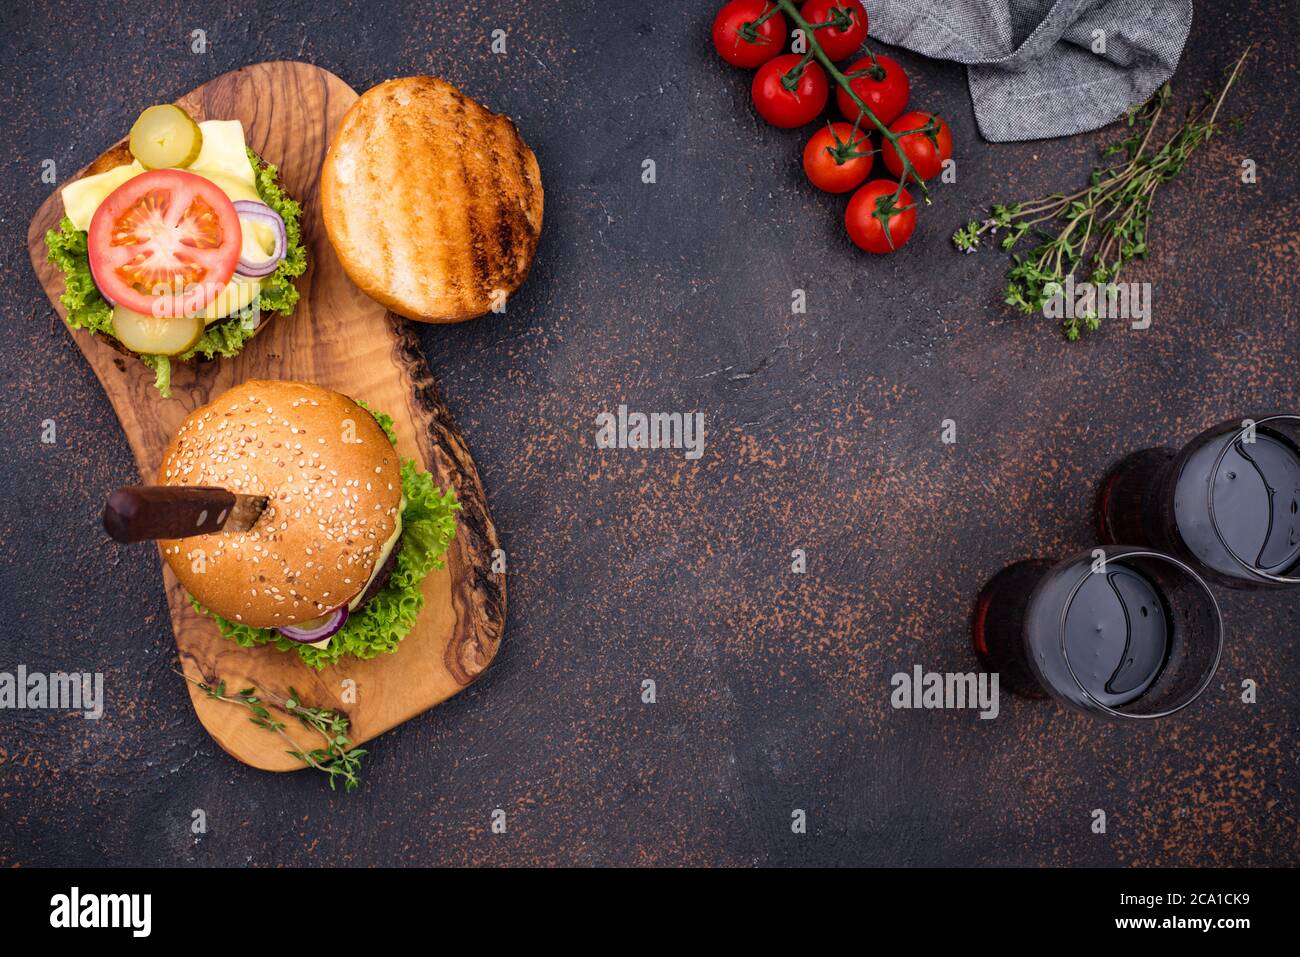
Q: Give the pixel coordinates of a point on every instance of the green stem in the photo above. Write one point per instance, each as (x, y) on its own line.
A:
(766, 15)
(843, 82)
(340, 764)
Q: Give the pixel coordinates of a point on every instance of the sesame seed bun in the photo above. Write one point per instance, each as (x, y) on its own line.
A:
(432, 201)
(334, 484)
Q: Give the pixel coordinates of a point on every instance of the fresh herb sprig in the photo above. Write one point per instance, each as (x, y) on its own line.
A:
(335, 759)
(1103, 226)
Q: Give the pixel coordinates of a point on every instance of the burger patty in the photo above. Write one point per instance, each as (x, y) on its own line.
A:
(385, 573)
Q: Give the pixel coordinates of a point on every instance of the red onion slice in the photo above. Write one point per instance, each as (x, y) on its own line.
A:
(318, 629)
(263, 214)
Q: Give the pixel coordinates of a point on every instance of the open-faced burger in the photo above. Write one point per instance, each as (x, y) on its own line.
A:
(184, 251)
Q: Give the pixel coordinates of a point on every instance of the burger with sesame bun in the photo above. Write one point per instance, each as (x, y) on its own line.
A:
(332, 564)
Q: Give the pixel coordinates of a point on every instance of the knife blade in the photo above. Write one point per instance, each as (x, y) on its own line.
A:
(140, 513)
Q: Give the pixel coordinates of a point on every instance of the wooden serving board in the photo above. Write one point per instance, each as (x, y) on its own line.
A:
(340, 339)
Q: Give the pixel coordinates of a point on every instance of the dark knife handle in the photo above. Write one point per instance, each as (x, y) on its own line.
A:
(141, 513)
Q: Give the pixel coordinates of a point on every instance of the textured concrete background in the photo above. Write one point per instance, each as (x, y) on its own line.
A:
(822, 434)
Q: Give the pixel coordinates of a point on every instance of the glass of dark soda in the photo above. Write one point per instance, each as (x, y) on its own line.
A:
(1228, 503)
(1125, 633)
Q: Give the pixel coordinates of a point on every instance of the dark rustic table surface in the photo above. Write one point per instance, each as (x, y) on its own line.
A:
(822, 434)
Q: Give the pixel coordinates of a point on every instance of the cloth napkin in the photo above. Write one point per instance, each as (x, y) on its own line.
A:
(1031, 63)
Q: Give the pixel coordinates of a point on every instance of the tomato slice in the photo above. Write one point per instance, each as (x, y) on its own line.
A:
(164, 243)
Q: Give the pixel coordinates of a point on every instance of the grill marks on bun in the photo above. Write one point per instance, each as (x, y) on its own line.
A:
(432, 202)
(333, 504)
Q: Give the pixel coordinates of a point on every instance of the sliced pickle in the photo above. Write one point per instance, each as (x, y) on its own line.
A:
(156, 335)
(165, 136)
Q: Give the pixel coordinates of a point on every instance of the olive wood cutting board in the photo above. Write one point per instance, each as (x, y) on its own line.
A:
(340, 339)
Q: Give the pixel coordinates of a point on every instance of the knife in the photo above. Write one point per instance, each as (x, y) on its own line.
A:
(140, 513)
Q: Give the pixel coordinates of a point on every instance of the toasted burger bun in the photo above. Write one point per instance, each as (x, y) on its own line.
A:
(433, 202)
(334, 484)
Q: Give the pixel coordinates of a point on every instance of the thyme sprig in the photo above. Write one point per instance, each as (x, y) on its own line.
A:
(1104, 226)
(336, 758)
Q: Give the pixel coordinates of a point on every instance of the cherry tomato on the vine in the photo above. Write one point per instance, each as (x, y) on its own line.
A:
(778, 103)
(883, 87)
(926, 145)
(849, 32)
(864, 225)
(740, 42)
(837, 159)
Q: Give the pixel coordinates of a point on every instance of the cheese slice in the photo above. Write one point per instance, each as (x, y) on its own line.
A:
(237, 296)
(223, 159)
(224, 151)
(82, 198)
(383, 556)
(379, 564)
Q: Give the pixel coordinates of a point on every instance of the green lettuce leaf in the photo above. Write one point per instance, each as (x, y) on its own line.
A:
(87, 309)
(162, 373)
(383, 418)
(279, 294)
(428, 526)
